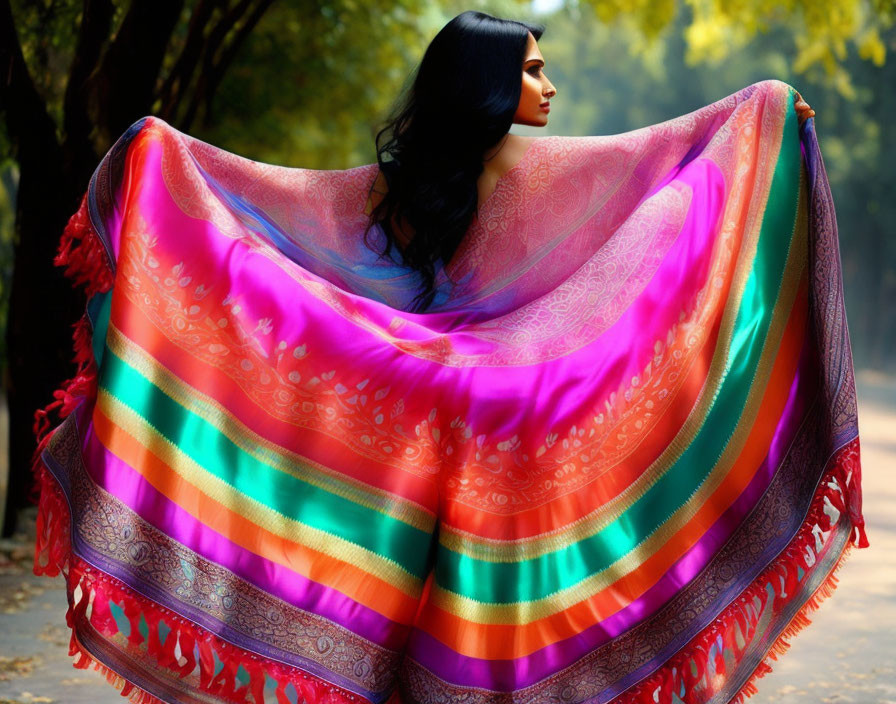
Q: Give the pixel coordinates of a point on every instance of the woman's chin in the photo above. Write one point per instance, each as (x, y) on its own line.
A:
(537, 120)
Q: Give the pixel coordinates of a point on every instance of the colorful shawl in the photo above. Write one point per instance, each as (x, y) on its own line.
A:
(616, 460)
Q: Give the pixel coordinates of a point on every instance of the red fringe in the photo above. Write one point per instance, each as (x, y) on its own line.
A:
(686, 674)
(83, 254)
(84, 257)
(91, 590)
(128, 689)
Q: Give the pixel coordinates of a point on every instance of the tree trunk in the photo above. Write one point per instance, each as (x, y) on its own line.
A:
(42, 308)
(106, 93)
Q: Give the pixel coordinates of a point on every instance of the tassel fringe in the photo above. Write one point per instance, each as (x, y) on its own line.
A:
(84, 258)
(83, 255)
(188, 650)
(695, 673)
(687, 674)
(127, 689)
(90, 592)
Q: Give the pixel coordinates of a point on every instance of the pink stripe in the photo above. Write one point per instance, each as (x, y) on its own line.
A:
(128, 486)
(509, 675)
(493, 403)
(529, 401)
(263, 290)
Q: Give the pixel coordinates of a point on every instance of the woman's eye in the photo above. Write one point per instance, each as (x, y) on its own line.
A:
(535, 70)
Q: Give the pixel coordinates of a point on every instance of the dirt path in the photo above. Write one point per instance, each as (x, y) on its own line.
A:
(846, 655)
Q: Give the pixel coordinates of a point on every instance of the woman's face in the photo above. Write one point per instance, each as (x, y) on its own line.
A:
(537, 89)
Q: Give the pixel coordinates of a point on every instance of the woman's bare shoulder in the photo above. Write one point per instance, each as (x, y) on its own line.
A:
(510, 154)
(506, 158)
(524, 139)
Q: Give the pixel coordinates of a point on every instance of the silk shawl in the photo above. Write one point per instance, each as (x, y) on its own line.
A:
(616, 460)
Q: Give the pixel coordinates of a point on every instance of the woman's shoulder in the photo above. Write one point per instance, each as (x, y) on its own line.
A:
(510, 154)
(508, 157)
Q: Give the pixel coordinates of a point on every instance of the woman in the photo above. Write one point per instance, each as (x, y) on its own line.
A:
(457, 131)
(453, 129)
(612, 455)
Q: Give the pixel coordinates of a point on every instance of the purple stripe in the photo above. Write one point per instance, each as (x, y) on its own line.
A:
(510, 675)
(129, 487)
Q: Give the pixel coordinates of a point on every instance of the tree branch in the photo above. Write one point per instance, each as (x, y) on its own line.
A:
(215, 38)
(126, 82)
(96, 21)
(181, 75)
(230, 52)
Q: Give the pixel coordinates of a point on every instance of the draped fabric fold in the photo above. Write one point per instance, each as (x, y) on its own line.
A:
(616, 460)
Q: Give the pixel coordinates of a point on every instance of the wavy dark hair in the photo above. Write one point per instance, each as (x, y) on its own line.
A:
(461, 101)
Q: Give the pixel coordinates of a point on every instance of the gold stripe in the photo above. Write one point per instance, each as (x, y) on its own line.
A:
(263, 516)
(493, 550)
(522, 613)
(262, 449)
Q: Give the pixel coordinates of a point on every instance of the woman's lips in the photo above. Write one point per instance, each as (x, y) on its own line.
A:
(545, 106)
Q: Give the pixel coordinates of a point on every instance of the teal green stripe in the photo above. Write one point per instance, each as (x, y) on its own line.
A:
(217, 454)
(98, 308)
(536, 578)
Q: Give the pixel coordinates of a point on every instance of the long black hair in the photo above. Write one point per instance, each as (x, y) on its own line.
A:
(461, 102)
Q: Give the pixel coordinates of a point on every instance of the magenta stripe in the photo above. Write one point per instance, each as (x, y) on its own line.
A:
(530, 404)
(128, 486)
(494, 401)
(509, 675)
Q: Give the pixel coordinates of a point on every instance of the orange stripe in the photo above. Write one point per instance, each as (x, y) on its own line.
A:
(495, 642)
(613, 480)
(140, 330)
(352, 581)
(570, 507)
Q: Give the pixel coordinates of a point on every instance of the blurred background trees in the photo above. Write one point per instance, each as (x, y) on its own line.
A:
(306, 82)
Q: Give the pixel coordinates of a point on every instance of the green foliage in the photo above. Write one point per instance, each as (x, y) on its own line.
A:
(310, 81)
(610, 79)
(48, 45)
(818, 32)
(314, 81)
